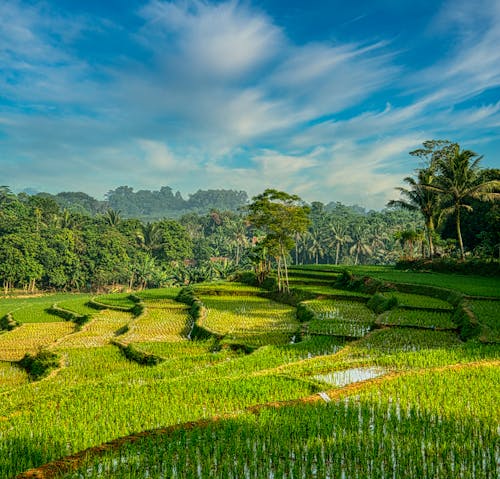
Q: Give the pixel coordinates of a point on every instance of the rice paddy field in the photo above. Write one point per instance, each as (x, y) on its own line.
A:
(259, 394)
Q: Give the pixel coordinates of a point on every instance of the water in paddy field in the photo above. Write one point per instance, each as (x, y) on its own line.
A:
(349, 376)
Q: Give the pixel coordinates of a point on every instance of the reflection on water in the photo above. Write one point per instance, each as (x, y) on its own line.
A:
(349, 376)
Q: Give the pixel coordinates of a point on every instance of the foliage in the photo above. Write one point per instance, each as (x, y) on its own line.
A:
(8, 323)
(40, 364)
(452, 265)
(379, 303)
(280, 216)
(140, 357)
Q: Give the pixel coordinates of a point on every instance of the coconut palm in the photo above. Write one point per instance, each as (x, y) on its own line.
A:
(340, 237)
(419, 197)
(314, 244)
(112, 217)
(459, 180)
(149, 237)
(360, 243)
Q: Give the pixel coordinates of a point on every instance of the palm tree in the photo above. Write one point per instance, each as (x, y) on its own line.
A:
(340, 237)
(112, 217)
(360, 242)
(460, 180)
(315, 246)
(149, 237)
(419, 197)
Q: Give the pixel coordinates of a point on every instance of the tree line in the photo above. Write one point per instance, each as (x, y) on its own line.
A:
(148, 205)
(449, 209)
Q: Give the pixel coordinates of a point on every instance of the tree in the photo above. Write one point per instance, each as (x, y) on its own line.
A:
(340, 237)
(420, 198)
(360, 244)
(280, 216)
(459, 181)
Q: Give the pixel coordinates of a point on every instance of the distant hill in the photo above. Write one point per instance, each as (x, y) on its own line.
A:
(152, 205)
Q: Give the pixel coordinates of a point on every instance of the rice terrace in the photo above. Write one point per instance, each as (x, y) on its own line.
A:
(223, 380)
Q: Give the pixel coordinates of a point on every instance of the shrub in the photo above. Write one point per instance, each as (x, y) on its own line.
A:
(68, 315)
(379, 303)
(39, 365)
(8, 323)
(140, 357)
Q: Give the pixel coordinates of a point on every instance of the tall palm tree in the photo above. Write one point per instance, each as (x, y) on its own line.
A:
(340, 237)
(360, 243)
(419, 197)
(460, 180)
(315, 246)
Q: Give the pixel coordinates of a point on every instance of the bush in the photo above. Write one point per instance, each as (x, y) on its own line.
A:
(39, 365)
(467, 323)
(8, 323)
(247, 277)
(304, 313)
(186, 295)
(140, 357)
(379, 303)
(365, 284)
(68, 315)
(452, 265)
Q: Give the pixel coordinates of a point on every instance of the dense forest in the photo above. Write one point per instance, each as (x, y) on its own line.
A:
(71, 241)
(147, 205)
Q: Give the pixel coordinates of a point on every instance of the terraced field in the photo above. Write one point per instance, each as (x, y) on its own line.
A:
(395, 397)
(251, 320)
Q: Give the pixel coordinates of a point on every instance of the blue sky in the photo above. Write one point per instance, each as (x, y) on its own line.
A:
(322, 101)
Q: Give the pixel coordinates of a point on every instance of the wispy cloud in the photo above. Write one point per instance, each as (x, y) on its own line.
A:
(220, 95)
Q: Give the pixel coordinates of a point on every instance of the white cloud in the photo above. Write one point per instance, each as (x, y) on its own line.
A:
(221, 79)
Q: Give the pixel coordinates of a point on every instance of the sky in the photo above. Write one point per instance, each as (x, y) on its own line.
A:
(323, 99)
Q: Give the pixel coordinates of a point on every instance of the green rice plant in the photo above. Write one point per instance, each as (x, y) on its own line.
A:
(98, 396)
(163, 320)
(398, 430)
(251, 320)
(117, 300)
(339, 318)
(226, 288)
(11, 377)
(33, 309)
(417, 318)
(488, 316)
(99, 331)
(29, 337)
(466, 284)
(77, 305)
(420, 301)
(158, 293)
